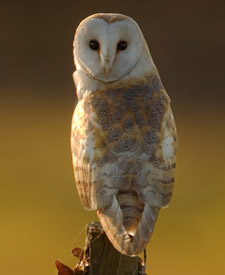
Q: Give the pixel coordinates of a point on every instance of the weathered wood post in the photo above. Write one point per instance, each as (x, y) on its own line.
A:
(101, 258)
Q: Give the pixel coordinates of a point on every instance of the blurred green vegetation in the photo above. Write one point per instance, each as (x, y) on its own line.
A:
(41, 215)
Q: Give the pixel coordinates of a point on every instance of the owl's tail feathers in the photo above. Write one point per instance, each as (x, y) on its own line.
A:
(111, 218)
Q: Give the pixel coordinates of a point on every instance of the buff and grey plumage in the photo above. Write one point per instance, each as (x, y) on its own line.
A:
(123, 136)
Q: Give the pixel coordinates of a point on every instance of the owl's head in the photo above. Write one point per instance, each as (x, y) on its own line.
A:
(107, 47)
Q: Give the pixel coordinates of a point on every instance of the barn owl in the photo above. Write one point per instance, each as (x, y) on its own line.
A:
(123, 135)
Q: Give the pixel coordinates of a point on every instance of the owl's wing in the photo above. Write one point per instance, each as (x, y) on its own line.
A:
(161, 168)
(94, 180)
(94, 184)
(156, 194)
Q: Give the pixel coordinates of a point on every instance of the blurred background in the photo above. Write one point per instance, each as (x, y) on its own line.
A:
(41, 218)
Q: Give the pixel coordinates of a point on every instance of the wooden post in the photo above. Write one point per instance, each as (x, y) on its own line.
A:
(101, 258)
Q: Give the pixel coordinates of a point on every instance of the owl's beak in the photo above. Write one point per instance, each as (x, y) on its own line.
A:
(106, 68)
(106, 63)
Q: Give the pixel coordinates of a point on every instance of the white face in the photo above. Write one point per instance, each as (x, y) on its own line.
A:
(107, 51)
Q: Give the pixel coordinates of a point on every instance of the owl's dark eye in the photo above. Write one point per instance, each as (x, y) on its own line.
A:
(94, 45)
(122, 45)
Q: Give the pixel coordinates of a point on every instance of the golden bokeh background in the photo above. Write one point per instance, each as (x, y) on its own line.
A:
(41, 218)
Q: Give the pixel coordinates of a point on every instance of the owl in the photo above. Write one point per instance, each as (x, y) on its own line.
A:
(123, 136)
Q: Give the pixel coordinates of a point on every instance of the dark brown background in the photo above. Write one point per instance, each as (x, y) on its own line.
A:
(41, 213)
(186, 39)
